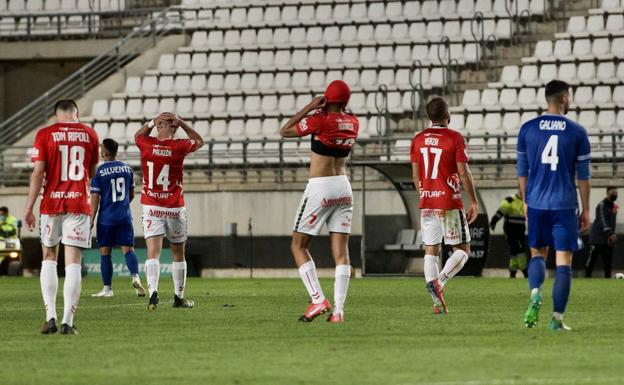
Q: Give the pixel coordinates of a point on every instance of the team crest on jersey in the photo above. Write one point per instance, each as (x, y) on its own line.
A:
(453, 182)
(303, 124)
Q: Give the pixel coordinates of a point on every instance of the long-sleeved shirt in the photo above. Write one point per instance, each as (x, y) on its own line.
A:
(604, 224)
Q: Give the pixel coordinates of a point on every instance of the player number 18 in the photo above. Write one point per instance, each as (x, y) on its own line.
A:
(549, 155)
(72, 162)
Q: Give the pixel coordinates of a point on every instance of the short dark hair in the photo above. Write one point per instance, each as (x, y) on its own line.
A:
(111, 146)
(66, 105)
(609, 188)
(4, 209)
(555, 88)
(437, 109)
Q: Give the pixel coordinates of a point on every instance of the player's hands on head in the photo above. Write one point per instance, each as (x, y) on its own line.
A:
(473, 211)
(164, 117)
(317, 102)
(29, 219)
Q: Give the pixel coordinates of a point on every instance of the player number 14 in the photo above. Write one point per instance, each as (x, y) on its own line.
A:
(162, 179)
(549, 155)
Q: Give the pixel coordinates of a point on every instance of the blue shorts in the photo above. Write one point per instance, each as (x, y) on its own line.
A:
(558, 228)
(115, 235)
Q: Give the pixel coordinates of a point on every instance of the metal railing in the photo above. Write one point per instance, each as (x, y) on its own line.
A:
(77, 84)
(492, 158)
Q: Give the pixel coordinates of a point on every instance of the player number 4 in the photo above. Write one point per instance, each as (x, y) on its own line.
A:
(162, 179)
(549, 155)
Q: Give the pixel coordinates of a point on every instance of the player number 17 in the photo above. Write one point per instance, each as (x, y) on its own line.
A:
(549, 155)
(437, 152)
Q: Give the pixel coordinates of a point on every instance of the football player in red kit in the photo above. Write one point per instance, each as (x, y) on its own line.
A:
(164, 214)
(328, 198)
(440, 169)
(65, 155)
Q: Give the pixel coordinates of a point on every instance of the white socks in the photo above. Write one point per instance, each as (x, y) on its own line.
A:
(178, 272)
(307, 271)
(71, 292)
(341, 285)
(49, 287)
(431, 268)
(453, 265)
(152, 274)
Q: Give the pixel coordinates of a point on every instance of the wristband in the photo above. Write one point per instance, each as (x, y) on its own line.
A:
(151, 124)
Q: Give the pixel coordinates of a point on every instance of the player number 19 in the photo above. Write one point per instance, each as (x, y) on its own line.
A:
(118, 188)
(549, 155)
(162, 179)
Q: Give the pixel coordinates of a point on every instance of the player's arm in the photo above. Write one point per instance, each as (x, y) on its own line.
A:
(416, 176)
(289, 130)
(192, 134)
(36, 181)
(465, 175)
(583, 176)
(95, 205)
(501, 212)
(522, 167)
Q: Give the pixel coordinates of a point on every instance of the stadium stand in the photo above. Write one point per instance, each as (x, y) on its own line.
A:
(250, 64)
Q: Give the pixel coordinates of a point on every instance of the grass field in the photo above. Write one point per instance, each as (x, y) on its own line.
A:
(390, 337)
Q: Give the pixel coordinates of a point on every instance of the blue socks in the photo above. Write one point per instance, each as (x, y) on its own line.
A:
(106, 267)
(561, 288)
(537, 272)
(133, 262)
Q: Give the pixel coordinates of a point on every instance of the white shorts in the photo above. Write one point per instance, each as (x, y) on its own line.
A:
(450, 225)
(168, 222)
(70, 229)
(325, 200)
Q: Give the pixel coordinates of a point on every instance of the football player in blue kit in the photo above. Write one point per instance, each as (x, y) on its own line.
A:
(112, 190)
(553, 152)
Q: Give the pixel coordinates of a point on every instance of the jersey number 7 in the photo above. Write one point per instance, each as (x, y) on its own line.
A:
(549, 154)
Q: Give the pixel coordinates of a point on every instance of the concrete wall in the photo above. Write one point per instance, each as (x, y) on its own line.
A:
(272, 212)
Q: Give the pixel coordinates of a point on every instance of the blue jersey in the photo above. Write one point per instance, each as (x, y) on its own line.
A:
(552, 150)
(114, 181)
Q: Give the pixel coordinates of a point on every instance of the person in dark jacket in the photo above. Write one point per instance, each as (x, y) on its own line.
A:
(602, 237)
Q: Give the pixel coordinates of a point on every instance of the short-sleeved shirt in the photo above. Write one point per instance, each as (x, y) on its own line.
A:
(553, 145)
(114, 182)
(162, 162)
(69, 150)
(437, 150)
(332, 134)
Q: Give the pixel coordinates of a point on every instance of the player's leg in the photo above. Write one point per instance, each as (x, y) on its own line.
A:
(152, 268)
(457, 235)
(76, 236)
(540, 237)
(340, 252)
(132, 261)
(125, 238)
(178, 273)
(310, 217)
(432, 235)
(106, 269)
(51, 231)
(565, 234)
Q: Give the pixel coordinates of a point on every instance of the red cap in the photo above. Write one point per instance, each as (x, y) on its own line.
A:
(337, 92)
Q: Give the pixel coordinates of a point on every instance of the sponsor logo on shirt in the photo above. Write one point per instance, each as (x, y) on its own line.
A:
(431, 193)
(552, 125)
(341, 201)
(164, 214)
(159, 195)
(65, 194)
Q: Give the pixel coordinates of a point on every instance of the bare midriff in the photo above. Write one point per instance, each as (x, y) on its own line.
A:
(322, 165)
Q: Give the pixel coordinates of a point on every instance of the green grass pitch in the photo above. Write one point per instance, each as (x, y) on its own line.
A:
(390, 336)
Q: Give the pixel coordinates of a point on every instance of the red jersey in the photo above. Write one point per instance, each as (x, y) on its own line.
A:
(69, 150)
(437, 150)
(162, 162)
(333, 134)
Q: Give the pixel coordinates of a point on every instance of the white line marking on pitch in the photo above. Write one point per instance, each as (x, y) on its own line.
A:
(89, 306)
